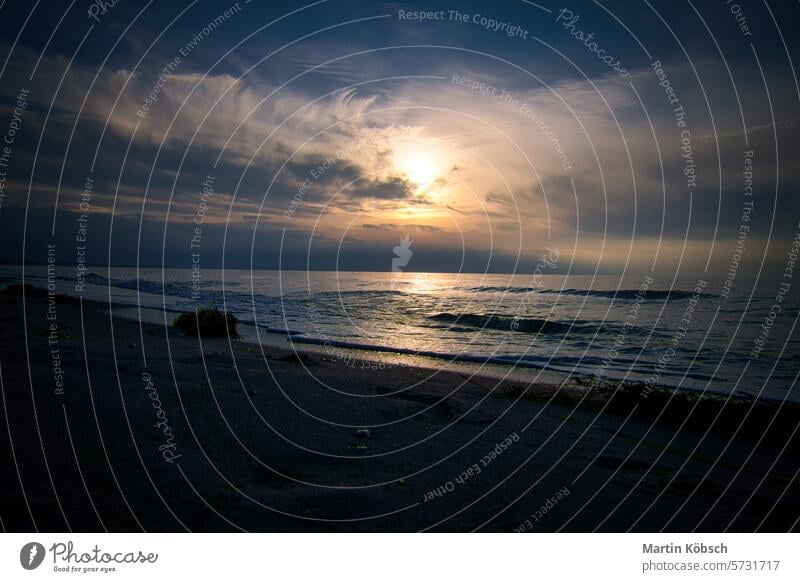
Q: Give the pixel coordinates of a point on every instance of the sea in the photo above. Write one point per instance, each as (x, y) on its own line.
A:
(696, 334)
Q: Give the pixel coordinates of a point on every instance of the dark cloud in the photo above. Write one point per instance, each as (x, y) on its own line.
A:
(403, 227)
(392, 188)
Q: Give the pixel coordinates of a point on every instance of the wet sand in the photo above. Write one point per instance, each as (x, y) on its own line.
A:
(109, 424)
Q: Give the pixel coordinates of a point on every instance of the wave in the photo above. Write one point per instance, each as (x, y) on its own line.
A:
(271, 329)
(503, 322)
(523, 361)
(650, 295)
(576, 366)
(143, 285)
(496, 289)
(185, 290)
(355, 293)
(182, 290)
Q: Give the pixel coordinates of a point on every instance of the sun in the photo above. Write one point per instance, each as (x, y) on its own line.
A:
(420, 170)
(419, 162)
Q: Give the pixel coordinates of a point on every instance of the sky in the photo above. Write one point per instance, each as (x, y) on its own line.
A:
(630, 137)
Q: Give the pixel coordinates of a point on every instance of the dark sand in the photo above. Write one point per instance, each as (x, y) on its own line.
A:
(270, 442)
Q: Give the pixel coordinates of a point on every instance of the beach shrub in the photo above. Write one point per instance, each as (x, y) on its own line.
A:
(208, 321)
(18, 290)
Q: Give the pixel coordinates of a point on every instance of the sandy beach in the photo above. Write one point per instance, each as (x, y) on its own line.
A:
(114, 425)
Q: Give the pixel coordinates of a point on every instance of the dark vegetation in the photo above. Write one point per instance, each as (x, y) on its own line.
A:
(206, 322)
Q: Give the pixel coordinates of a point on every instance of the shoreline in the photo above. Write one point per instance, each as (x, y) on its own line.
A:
(559, 386)
(493, 367)
(573, 384)
(265, 438)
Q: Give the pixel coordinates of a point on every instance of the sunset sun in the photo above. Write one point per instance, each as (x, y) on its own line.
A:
(419, 170)
(421, 164)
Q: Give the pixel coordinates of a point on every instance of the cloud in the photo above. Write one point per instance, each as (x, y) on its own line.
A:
(410, 227)
(589, 164)
(393, 188)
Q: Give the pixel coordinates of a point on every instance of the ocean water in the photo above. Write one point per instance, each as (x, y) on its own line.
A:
(686, 334)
